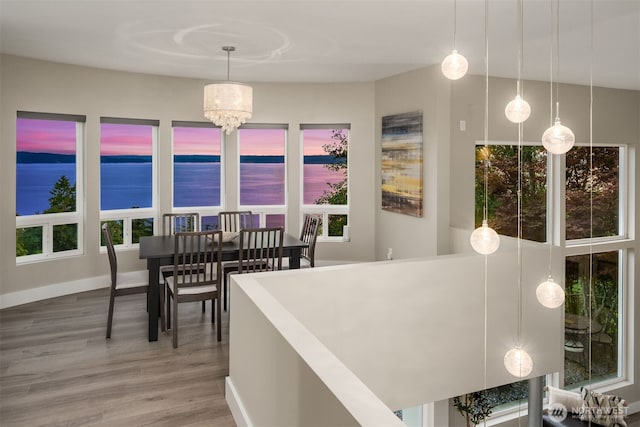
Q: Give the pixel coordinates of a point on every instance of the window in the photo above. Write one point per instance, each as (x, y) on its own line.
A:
(196, 165)
(48, 185)
(606, 187)
(600, 300)
(127, 177)
(325, 183)
(263, 172)
(197, 171)
(595, 283)
(502, 198)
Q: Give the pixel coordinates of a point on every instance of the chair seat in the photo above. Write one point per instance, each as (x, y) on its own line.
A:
(199, 289)
(573, 346)
(131, 280)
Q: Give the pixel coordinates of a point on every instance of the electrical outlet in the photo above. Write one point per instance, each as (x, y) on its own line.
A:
(390, 254)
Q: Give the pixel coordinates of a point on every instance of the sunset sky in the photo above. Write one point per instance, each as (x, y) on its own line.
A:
(58, 137)
(46, 136)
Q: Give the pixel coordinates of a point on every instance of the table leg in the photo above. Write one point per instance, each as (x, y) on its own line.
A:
(153, 265)
(294, 258)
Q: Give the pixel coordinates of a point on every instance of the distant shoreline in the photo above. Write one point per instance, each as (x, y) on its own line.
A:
(28, 157)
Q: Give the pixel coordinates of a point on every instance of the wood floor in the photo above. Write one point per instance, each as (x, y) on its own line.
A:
(57, 368)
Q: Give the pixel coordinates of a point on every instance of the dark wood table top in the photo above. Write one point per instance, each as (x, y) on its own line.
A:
(164, 246)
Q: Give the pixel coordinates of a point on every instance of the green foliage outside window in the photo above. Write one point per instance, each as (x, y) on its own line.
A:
(502, 195)
(65, 236)
(143, 227)
(28, 241)
(337, 193)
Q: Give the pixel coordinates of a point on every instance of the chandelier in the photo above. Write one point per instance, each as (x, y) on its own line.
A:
(228, 104)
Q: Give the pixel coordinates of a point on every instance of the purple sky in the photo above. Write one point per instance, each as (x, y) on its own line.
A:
(59, 137)
(46, 136)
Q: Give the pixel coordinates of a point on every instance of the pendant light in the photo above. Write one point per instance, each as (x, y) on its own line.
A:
(484, 239)
(558, 139)
(518, 110)
(454, 66)
(228, 104)
(517, 361)
(550, 294)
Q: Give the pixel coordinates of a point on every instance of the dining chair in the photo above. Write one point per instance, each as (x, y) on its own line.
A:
(235, 220)
(196, 276)
(173, 223)
(232, 221)
(260, 250)
(309, 235)
(122, 284)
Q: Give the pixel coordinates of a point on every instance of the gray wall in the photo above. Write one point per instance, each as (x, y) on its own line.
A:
(41, 86)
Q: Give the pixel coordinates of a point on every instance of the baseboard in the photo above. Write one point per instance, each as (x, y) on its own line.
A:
(13, 299)
(238, 411)
(633, 407)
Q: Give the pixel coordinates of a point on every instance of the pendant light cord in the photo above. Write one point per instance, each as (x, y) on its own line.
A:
(486, 189)
(558, 59)
(590, 364)
(520, 46)
(455, 13)
(228, 66)
(485, 208)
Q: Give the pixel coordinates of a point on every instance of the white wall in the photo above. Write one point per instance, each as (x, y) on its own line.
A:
(41, 86)
(410, 331)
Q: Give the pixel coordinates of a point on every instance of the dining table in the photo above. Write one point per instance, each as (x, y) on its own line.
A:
(160, 250)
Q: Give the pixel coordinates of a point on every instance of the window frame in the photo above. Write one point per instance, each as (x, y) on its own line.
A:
(263, 210)
(324, 210)
(128, 215)
(49, 221)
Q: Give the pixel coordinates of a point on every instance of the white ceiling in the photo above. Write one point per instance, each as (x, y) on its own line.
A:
(324, 40)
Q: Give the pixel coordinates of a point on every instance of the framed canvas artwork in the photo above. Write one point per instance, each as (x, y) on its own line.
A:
(401, 163)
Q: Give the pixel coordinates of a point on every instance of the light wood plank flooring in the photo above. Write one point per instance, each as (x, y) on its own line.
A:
(57, 368)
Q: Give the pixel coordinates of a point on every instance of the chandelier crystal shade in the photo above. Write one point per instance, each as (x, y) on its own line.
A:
(228, 104)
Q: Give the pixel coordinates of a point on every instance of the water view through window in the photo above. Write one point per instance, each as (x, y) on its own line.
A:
(196, 166)
(125, 166)
(45, 153)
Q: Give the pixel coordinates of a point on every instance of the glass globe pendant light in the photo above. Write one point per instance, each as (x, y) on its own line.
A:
(518, 110)
(550, 294)
(518, 362)
(558, 139)
(454, 66)
(484, 239)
